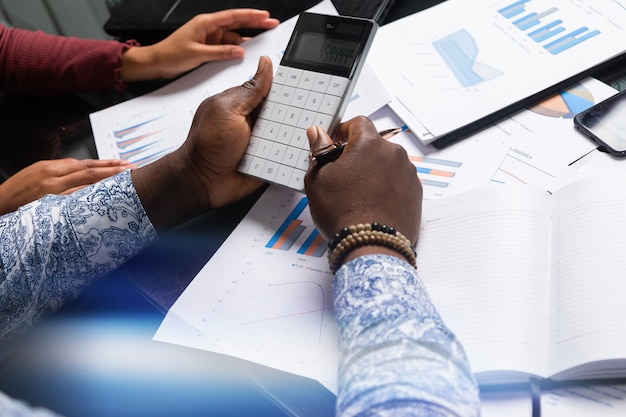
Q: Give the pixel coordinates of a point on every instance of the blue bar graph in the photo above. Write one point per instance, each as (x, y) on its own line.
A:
(570, 40)
(547, 32)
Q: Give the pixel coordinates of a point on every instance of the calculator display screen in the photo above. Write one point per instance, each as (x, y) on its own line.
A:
(323, 50)
(328, 44)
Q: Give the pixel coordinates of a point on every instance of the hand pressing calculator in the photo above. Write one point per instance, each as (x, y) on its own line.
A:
(312, 86)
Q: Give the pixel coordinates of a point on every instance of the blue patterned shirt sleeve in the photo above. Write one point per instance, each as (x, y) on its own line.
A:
(52, 248)
(398, 358)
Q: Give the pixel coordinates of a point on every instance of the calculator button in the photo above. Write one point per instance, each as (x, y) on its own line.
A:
(281, 74)
(253, 145)
(303, 160)
(337, 86)
(293, 77)
(274, 93)
(293, 116)
(266, 110)
(299, 139)
(321, 83)
(284, 134)
(256, 166)
(271, 130)
(330, 104)
(306, 119)
(286, 94)
(291, 156)
(314, 101)
(259, 127)
(278, 152)
(307, 80)
(244, 164)
(283, 176)
(300, 98)
(324, 120)
(297, 179)
(263, 148)
(270, 169)
(279, 112)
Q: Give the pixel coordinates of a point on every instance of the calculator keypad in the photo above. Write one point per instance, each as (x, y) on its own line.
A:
(279, 149)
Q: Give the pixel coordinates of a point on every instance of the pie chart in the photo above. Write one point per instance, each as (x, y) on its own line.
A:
(566, 104)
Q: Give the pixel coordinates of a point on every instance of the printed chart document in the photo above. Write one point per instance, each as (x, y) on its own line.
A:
(532, 283)
(460, 66)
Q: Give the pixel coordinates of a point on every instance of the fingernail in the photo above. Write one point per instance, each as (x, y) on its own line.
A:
(237, 52)
(312, 134)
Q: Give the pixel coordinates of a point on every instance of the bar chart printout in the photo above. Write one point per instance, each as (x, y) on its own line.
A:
(146, 136)
(545, 27)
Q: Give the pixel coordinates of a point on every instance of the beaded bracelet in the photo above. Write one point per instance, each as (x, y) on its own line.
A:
(355, 236)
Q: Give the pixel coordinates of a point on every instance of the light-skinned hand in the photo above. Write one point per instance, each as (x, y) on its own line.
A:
(206, 37)
(59, 176)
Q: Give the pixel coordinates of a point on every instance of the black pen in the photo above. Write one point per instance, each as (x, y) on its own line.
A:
(331, 155)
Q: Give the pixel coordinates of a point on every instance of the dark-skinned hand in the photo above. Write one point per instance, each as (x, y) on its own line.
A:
(372, 181)
(202, 173)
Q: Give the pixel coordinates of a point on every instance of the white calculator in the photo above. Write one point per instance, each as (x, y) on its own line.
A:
(312, 86)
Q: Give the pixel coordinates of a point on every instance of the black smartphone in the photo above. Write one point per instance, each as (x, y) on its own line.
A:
(605, 123)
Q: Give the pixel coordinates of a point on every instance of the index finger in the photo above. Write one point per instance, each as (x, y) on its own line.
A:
(236, 18)
(356, 129)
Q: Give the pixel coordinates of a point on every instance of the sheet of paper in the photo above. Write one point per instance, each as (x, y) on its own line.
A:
(464, 166)
(475, 58)
(542, 140)
(144, 129)
(589, 218)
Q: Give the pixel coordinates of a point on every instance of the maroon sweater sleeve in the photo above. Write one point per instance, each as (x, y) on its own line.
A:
(42, 64)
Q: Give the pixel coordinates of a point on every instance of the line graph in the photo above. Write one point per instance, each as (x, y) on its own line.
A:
(318, 312)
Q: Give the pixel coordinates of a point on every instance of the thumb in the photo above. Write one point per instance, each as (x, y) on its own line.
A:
(319, 141)
(255, 90)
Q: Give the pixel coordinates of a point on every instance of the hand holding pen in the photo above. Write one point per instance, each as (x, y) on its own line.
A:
(365, 183)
